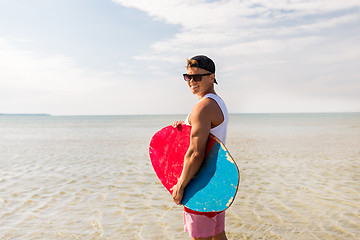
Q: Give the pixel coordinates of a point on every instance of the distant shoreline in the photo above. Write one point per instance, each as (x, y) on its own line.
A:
(26, 114)
(179, 114)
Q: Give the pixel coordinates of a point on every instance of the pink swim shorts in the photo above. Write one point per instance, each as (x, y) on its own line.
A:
(203, 226)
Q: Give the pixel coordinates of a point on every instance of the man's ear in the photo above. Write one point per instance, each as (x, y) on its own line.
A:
(213, 77)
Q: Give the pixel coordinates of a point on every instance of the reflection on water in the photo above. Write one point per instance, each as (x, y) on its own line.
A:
(91, 178)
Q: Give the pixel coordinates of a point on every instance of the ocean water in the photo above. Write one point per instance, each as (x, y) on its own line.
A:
(90, 177)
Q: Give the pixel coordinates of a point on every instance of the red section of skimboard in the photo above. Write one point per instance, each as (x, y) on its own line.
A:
(167, 150)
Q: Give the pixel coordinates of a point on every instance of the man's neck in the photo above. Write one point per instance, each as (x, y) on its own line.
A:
(201, 95)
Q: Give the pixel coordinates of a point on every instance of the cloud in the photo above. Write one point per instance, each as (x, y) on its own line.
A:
(266, 48)
(23, 69)
(55, 84)
(263, 24)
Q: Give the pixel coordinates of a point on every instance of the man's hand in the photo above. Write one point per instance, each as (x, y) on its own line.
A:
(177, 194)
(177, 123)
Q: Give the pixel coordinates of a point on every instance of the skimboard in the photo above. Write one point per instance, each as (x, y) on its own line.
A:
(214, 187)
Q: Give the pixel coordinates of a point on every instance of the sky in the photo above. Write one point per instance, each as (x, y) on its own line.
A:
(103, 57)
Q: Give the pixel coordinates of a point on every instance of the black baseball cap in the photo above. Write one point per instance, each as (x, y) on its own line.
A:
(205, 63)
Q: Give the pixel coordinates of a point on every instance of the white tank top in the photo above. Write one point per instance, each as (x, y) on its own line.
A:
(220, 130)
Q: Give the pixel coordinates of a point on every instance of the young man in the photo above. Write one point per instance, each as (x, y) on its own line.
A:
(209, 115)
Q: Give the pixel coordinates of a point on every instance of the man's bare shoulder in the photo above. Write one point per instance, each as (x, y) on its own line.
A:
(205, 106)
(207, 110)
(200, 117)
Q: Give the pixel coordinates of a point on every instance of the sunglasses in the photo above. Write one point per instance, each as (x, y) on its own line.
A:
(194, 77)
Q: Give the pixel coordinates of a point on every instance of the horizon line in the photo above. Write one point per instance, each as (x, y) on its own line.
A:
(164, 114)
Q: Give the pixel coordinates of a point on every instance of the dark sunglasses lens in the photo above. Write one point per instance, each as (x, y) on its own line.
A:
(197, 78)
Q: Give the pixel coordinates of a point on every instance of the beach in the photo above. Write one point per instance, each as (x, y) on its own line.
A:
(90, 177)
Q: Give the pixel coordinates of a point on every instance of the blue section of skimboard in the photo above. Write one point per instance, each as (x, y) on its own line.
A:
(214, 187)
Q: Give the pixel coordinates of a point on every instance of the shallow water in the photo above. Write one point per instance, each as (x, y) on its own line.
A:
(91, 178)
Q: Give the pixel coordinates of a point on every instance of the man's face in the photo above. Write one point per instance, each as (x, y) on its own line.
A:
(203, 86)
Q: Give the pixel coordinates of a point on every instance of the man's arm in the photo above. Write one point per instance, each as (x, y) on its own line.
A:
(201, 125)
